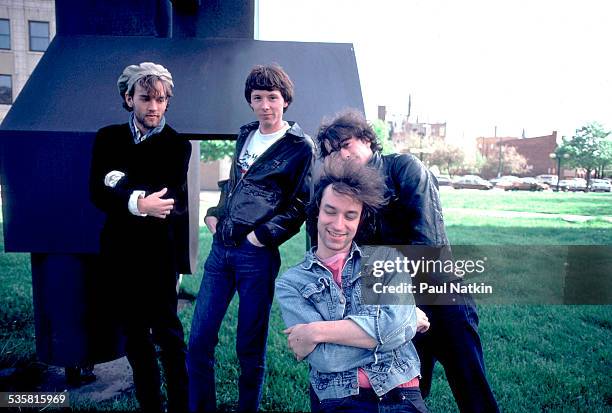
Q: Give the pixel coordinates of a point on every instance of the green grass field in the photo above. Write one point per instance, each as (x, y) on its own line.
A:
(539, 357)
(576, 203)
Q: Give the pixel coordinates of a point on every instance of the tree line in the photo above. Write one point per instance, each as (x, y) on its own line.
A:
(590, 148)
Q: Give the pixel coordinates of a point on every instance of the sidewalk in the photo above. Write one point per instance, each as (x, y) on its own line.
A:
(207, 199)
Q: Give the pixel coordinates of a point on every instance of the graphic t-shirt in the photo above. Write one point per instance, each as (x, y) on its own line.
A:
(256, 144)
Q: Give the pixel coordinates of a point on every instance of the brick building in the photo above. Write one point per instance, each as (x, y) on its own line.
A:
(536, 151)
(418, 136)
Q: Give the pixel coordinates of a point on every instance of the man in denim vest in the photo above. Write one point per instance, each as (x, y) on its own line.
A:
(360, 353)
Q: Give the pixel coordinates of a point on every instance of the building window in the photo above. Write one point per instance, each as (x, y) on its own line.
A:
(39, 36)
(6, 90)
(5, 34)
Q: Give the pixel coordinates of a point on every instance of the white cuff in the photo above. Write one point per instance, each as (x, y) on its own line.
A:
(133, 203)
(112, 178)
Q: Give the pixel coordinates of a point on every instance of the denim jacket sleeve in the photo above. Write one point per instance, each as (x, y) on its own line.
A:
(326, 357)
(390, 325)
(392, 321)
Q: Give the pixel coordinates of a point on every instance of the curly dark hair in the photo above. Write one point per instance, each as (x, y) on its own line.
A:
(362, 183)
(269, 78)
(345, 125)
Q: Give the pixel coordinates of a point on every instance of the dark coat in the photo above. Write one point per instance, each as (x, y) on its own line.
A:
(271, 197)
(413, 215)
(160, 161)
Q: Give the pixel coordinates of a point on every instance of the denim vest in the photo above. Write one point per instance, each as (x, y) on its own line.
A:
(308, 293)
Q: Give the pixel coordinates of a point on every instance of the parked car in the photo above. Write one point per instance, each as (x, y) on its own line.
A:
(563, 185)
(600, 185)
(573, 185)
(494, 181)
(507, 182)
(548, 179)
(471, 182)
(528, 184)
(444, 180)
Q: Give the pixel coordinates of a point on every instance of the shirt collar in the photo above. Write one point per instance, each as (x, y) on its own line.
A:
(138, 136)
(376, 161)
(311, 258)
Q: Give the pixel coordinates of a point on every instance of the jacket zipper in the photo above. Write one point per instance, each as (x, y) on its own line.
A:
(257, 161)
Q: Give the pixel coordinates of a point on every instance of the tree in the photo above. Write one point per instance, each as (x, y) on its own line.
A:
(588, 148)
(213, 150)
(448, 157)
(382, 132)
(606, 156)
(512, 163)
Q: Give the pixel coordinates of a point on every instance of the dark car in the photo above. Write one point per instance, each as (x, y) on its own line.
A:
(472, 182)
(528, 184)
(507, 182)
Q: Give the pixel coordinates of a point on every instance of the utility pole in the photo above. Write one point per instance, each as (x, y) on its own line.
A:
(499, 165)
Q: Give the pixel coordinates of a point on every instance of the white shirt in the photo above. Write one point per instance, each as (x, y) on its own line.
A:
(256, 144)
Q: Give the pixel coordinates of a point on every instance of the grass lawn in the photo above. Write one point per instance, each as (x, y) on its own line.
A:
(575, 203)
(539, 357)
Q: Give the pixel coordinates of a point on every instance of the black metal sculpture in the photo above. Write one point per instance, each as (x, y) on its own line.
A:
(46, 138)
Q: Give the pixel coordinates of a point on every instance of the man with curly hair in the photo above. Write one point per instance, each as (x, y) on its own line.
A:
(413, 217)
(358, 347)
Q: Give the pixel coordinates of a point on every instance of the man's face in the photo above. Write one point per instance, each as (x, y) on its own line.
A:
(148, 107)
(337, 223)
(268, 107)
(354, 149)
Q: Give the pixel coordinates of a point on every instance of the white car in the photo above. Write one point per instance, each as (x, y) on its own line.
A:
(573, 185)
(547, 179)
(600, 185)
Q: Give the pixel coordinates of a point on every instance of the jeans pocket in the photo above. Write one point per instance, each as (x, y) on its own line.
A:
(412, 397)
(250, 244)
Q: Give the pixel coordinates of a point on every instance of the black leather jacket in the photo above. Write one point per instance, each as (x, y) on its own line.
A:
(413, 215)
(271, 197)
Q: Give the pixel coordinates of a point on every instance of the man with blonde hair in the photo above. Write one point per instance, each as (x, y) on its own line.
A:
(139, 180)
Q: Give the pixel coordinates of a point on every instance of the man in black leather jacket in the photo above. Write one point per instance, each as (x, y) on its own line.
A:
(413, 216)
(261, 206)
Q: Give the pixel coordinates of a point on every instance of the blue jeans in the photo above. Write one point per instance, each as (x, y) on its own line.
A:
(398, 400)
(453, 340)
(251, 272)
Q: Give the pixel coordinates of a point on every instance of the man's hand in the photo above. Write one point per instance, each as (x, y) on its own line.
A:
(211, 224)
(301, 339)
(155, 206)
(253, 239)
(422, 321)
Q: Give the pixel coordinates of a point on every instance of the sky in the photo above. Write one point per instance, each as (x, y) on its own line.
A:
(536, 65)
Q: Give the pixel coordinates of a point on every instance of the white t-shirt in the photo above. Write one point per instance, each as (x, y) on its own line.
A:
(256, 144)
